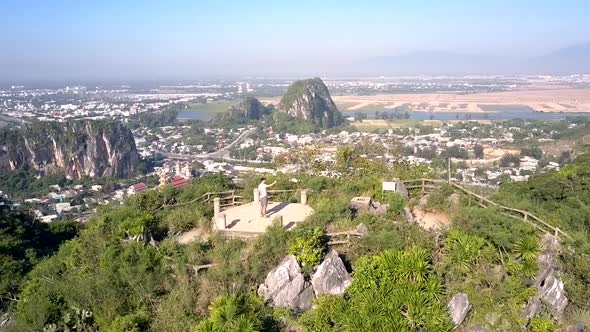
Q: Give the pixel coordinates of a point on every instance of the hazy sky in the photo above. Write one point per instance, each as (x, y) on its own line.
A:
(123, 39)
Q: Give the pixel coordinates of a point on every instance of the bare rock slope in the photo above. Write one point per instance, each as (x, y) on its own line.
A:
(79, 148)
(310, 100)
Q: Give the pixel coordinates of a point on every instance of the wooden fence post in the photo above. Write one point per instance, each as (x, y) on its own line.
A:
(216, 206)
(304, 196)
(256, 195)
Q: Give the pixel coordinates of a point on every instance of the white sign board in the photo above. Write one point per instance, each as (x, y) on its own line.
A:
(389, 186)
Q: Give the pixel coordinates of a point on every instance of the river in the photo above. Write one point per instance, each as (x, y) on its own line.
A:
(508, 114)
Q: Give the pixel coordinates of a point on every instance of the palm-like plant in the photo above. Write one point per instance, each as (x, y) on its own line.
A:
(395, 291)
(463, 250)
(409, 265)
(241, 324)
(433, 288)
(527, 248)
(234, 313)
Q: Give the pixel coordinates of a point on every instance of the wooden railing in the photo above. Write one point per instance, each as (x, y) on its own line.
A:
(281, 193)
(228, 198)
(337, 238)
(428, 185)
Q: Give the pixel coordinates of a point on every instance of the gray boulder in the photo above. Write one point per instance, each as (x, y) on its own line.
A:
(459, 307)
(362, 229)
(331, 276)
(409, 216)
(477, 328)
(423, 202)
(362, 204)
(578, 327)
(400, 188)
(533, 307)
(285, 286)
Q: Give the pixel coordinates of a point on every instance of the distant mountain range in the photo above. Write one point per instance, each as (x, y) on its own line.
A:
(570, 60)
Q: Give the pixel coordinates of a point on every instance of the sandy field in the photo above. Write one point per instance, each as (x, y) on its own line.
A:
(550, 100)
(385, 124)
(431, 220)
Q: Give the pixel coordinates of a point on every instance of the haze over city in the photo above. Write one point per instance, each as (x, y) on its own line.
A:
(135, 40)
(302, 165)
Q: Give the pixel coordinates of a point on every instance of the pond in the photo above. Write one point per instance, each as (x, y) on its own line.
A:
(203, 116)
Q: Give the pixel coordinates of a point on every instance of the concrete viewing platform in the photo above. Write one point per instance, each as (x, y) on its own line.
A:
(245, 219)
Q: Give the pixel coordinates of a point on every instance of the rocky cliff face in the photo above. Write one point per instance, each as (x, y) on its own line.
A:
(252, 108)
(310, 100)
(79, 148)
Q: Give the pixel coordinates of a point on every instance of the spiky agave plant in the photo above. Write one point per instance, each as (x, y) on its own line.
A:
(234, 313)
(395, 291)
(527, 248)
(463, 250)
(410, 265)
(433, 288)
(241, 324)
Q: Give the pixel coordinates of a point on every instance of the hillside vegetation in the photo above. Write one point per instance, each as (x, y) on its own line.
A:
(125, 271)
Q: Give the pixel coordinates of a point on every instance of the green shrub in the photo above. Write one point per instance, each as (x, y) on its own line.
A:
(134, 322)
(184, 218)
(387, 235)
(308, 245)
(395, 291)
(395, 202)
(267, 251)
(463, 250)
(576, 261)
(328, 207)
(438, 199)
(500, 230)
(245, 313)
(538, 324)
(326, 315)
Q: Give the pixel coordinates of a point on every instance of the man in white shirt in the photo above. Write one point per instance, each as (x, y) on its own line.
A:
(263, 194)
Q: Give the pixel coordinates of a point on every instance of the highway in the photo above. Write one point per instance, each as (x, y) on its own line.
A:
(219, 154)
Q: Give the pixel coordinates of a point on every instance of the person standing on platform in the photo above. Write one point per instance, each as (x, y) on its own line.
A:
(263, 194)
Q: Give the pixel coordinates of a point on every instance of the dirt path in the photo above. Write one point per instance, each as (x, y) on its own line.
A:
(191, 236)
(431, 220)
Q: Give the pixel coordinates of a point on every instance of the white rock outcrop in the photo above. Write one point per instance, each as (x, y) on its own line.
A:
(550, 288)
(459, 307)
(331, 276)
(285, 286)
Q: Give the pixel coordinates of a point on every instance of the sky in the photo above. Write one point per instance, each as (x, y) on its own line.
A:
(177, 39)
